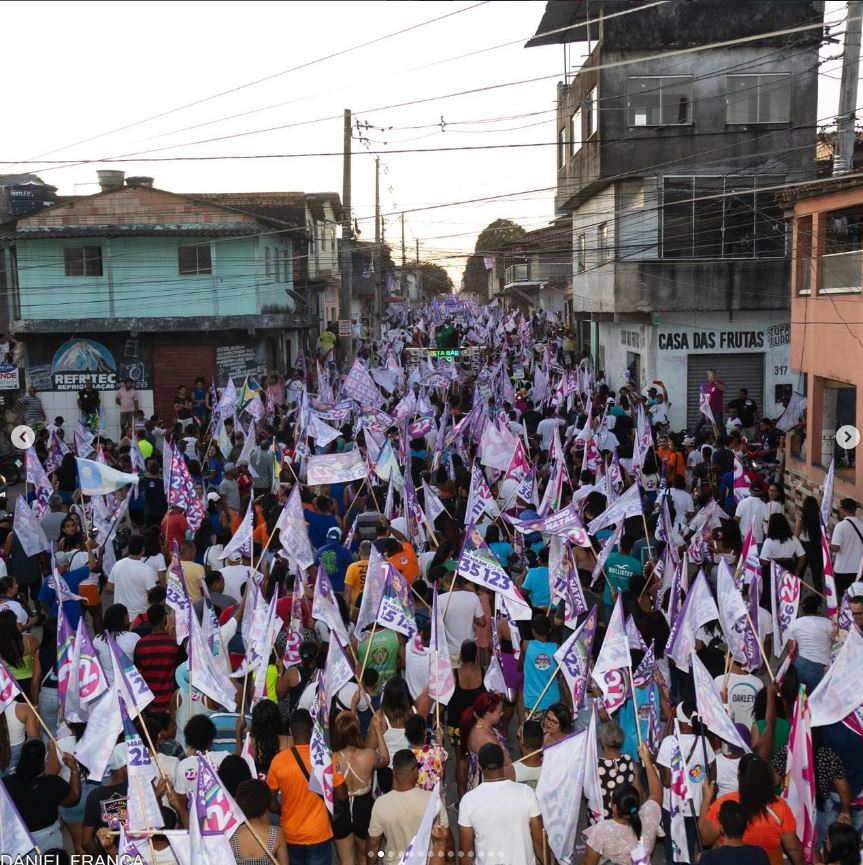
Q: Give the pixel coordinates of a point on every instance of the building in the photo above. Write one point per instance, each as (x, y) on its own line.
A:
(826, 331)
(537, 270)
(669, 164)
(139, 282)
(323, 219)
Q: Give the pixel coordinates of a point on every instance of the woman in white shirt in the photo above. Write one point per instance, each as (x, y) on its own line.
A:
(153, 557)
(775, 501)
(117, 625)
(781, 546)
(812, 636)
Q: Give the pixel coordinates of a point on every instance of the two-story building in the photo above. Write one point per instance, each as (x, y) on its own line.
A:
(826, 332)
(673, 139)
(139, 282)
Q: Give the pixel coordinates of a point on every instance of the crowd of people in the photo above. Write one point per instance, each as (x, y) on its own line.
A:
(420, 606)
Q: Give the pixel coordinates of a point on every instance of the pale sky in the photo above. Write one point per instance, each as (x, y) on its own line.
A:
(85, 69)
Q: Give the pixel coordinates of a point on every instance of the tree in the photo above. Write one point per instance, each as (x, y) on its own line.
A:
(490, 242)
(433, 278)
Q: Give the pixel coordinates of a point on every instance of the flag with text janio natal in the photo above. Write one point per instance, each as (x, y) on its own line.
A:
(609, 671)
(294, 640)
(827, 493)
(217, 813)
(181, 490)
(441, 679)
(479, 500)
(417, 851)
(732, 612)
(679, 799)
(360, 386)
(130, 684)
(710, 708)
(293, 534)
(28, 530)
(35, 475)
(565, 523)
(15, 837)
(574, 655)
(325, 608)
(337, 672)
(177, 597)
(241, 541)
(373, 591)
(698, 609)
(830, 596)
(628, 505)
(799, 790)
(559, 792)
(395, 611)
(479, 564)
(838, 694)
(336, 468)
(207, 674)
(786, 589)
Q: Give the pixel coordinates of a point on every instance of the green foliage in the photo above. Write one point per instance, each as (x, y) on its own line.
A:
(490, 241)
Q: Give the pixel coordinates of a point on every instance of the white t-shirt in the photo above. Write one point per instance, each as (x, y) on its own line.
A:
(132, 580)
(693, 753)
(726, 775)
(732, 424)
(813, 635)
(499, 813)
(186, 773)
(773, 549)
(683, 504)
(461, 610)
(21, 615)
(235, 576)
(416, 666)
(3, 570)
(546, 427)
(157, 563)
(752, 513)
(742, 688)
(125, 640)
(659, 413)
(211, 557)
(850, 552)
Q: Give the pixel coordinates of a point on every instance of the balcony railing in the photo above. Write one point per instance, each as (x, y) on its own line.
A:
(532, 272)
(842, 272)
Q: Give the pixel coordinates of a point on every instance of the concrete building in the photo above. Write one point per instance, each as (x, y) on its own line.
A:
(140, 282)
(669, 164)
(826, 332)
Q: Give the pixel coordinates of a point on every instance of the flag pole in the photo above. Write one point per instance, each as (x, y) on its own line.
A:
(761, 647)
(368, 651)
(635, 705)
(42, 723)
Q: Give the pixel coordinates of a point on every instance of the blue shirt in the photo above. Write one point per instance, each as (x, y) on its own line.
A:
(503, 550)
(536, 582)
(539, 667)
(335, 559)
(319, 525)
(71, 609)
(626, 718)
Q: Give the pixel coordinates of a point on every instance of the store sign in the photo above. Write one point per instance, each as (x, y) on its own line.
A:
(701, 340)
(8, 376)
(80, 359)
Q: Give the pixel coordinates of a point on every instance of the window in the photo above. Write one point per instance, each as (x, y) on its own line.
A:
(582, 253)
(841, 265)
(591, 110)
(722, 217)
(575, 133)
(561, 147)
(838, 408)
(757, 98)
(195, 259)
(602, 242)
(664, 100)
(83, 260)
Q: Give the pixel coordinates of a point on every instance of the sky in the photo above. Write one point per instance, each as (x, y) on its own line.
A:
(117, 80)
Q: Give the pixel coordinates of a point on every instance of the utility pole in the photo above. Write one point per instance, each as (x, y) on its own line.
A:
(377, 324)
(843, 156)
(403, 281)
(418, 271)
(346, 340)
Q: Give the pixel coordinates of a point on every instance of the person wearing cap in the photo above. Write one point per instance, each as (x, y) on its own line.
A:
(229, 490)
(846, 543)
(499, 822)
(74, 577)
(751, 513)
(235, 574)
(106, 801)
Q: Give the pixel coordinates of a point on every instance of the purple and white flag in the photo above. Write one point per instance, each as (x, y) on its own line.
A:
(565, 523)
(628, 505)
(337, 468)
(609, 671)
(786, 588)
(241, 542)
(35, 474)
(710, 708)
(293, 534)
(417, 851)
(698, 609)
(574, 656)
(28, 530)
(441, 679)
(838, 693)
(325, 608)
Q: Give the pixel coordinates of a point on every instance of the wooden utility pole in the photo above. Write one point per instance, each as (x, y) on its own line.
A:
(419, 300)
(377, 316)
(843, 157)
(403, 280)
(345, 340)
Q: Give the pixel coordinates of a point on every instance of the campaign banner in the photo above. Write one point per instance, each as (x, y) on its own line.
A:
(336, 468)
(8, 376)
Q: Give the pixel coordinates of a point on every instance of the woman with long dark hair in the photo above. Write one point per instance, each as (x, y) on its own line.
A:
(265, 734)
(557, 723)
(769, 821)
(117, 624)
(20, 653)
(782, 547)
(632, 822)
(807, 529)
(842, 845)
(39, 794)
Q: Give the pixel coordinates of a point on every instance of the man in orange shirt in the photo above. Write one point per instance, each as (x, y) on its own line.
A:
(402, 556)
(304, 818)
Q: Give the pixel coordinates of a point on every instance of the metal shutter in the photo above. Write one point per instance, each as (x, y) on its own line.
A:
(736, 370)
(174, 365)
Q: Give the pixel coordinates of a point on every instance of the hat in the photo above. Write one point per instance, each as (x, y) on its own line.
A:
(213, 497)
(334, 532)
(228, 466)
(689, 442)
(119, 757)
(181, 676)
(681, 715)
(234, 556)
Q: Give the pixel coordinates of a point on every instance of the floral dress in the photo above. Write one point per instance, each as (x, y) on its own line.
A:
(432, 764)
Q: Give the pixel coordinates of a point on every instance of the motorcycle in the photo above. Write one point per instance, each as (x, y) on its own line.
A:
(10, 471)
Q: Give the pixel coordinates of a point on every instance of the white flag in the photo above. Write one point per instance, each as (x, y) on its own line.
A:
(418, 850)
(27, 529)
(441, 679)
(710, 708)
(838, 694)
(628, 505)
(732, 612)
(293, 534)
(241, 542)
(698, 609)
(827, 493)
(15, 837)
(609, 671)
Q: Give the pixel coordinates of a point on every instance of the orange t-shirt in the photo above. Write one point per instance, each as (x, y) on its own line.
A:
(304, 817)
(406, 563)
(765, 831)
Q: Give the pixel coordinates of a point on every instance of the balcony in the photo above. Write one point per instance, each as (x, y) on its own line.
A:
(841, 272)
(533, 273)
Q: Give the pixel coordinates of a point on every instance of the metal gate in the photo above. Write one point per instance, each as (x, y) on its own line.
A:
(736, 370)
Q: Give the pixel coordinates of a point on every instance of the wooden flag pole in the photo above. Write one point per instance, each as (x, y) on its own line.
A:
(368, 651)
(761, 647)
(635, 705)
